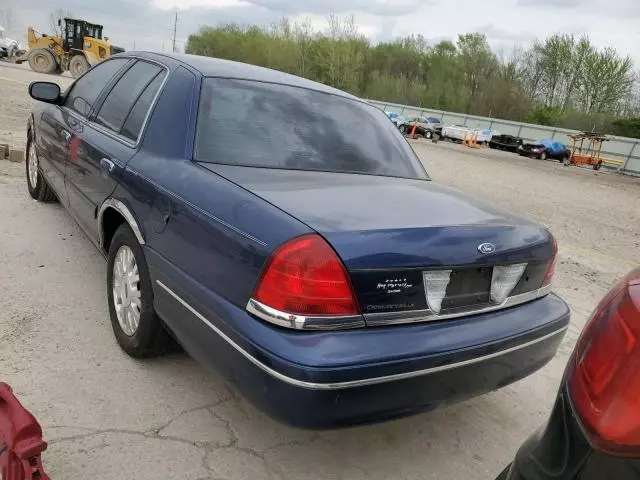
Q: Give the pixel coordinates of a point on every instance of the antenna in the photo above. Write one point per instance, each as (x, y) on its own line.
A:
(175, 27)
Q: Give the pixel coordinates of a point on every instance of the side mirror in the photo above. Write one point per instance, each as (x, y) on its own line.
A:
(48, 92)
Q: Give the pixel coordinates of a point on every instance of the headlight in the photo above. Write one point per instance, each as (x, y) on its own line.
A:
(535, 150)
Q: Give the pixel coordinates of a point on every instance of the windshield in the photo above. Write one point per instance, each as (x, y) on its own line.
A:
(259, 124)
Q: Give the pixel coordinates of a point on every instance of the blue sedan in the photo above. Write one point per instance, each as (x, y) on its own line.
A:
(322, 272)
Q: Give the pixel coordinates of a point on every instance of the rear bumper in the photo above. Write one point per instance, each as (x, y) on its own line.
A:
(328, 379)
(419, 391)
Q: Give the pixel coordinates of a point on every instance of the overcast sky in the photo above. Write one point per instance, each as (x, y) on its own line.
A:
(149, 23)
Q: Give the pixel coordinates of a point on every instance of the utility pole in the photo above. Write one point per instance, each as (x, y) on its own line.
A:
(175, 27)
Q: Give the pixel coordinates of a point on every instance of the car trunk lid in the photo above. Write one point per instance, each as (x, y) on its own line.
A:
(391, 232)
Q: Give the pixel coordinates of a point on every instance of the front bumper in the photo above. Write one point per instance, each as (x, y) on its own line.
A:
(333, 378)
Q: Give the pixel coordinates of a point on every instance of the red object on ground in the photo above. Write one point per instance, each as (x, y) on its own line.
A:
(20, 440)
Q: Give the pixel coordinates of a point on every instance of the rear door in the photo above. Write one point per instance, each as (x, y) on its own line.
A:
(108, 141)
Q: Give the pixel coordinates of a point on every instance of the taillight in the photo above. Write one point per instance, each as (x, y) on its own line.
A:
(304, 276)
(552, 266)
(604, 372)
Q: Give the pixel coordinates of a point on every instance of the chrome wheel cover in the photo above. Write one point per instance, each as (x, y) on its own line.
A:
(33, 167)
(126, 290)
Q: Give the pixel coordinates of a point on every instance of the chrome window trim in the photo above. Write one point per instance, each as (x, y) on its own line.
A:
(302, 322)
(353, 383)
(418, 316)
(114, 135)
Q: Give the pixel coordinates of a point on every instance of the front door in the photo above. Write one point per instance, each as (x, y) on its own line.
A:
(99, 153)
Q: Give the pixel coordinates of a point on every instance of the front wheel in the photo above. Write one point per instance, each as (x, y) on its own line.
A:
(78, 65)
(428, 134)
(543, 156)
(137, 328)
(566, 161)
(403, 129)
(38, 187)
(41, 60)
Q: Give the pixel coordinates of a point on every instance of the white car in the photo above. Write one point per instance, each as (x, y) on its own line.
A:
(8, 46)
(459, 132)
(455, 132)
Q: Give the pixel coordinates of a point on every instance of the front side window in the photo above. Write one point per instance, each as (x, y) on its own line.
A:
(124, 94)
(85, 91)
(259, 124)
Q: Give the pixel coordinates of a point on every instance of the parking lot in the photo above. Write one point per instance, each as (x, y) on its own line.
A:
(109, 416)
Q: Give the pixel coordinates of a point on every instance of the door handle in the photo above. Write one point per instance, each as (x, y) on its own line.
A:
(106, 167)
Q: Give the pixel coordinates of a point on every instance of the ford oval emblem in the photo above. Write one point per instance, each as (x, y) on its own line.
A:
(486, 248)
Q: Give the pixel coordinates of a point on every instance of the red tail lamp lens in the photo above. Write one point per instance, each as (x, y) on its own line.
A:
(552, 266)
(604, 372)
(304, 276)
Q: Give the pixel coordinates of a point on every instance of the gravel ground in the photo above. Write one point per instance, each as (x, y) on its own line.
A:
(108, 416)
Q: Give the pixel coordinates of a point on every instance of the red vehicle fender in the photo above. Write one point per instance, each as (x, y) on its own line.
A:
(20, 440)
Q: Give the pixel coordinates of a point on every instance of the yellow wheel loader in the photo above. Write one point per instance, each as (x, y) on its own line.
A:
(80, 47)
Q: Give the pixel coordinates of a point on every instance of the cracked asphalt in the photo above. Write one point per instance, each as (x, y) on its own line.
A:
(108, 416)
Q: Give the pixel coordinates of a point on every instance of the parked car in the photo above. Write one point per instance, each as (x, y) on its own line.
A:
(8, 47)
(425, 126)
(392, 116)
(505, 142)
(455, 132)
(544, 149)
(593, 431)
(322, 272)
(460, 132)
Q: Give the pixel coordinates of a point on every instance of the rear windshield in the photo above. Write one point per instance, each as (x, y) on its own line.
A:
(259, 124)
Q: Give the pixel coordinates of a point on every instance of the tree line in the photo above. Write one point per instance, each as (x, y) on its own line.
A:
(562, 81)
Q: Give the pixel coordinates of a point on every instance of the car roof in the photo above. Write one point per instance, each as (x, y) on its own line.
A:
(218, 67)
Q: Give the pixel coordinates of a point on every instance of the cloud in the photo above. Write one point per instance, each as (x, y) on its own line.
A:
(495, 33)
(554, 3)
(373, 7)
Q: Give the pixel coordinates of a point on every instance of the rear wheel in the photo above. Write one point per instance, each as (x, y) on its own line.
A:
(37, 185)
(403, 129)
(137, 328)
(566, 161)
(78, 65)
(42, 61)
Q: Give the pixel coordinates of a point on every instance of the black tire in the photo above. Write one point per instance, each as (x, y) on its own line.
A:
(41, 60)
(78, 65)
(150, 338)
(597, 166)
(543, 156)
(565, 161)
(428, 134)
(41, 191)
(403, 129)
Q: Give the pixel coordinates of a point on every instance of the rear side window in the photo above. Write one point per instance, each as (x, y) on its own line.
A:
(85, 91)
(135, 119)
(121, 98)
(259, 124)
